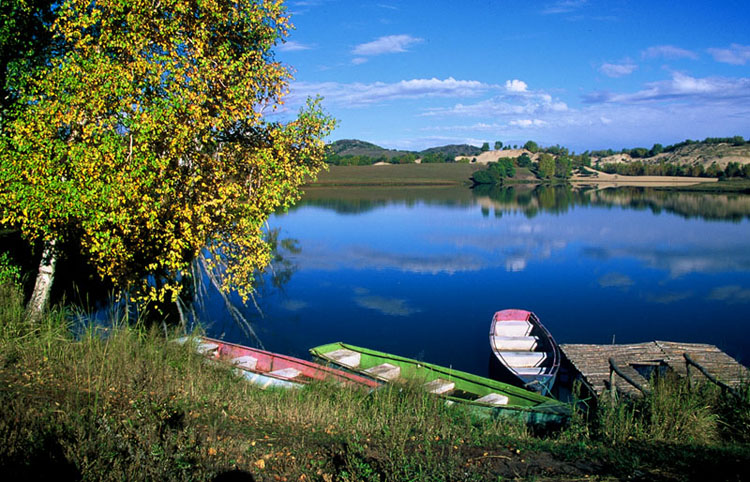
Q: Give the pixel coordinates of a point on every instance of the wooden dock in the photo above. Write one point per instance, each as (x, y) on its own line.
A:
(590, 363)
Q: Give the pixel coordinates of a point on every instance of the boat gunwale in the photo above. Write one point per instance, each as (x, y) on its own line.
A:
(550, 370)
(335, 374)
(513, 390)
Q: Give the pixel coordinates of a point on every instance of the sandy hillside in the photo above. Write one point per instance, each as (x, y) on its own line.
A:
(493, 156)
(706, 154)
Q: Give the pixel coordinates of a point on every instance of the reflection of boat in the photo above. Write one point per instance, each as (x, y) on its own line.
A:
(267, 369)
(524, 346)
(485, 396)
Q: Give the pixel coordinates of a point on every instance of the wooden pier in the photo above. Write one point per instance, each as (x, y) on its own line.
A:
(590, 363)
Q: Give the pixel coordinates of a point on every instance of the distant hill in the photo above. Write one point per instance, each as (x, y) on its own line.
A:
(357, 152)
(454, 150)
(689, 153)
(355, 147)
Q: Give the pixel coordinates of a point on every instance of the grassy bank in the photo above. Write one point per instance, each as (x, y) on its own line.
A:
(131, 406)
(459, 174)
(439, 174)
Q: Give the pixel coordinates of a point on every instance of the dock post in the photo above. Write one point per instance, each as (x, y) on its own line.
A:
(612, 387)
(687, 375)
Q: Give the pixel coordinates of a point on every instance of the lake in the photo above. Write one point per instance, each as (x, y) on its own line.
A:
(419, 272)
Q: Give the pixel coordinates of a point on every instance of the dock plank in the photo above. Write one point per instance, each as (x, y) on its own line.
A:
(592, 362)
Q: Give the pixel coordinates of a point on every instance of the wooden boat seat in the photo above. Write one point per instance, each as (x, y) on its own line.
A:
(384, 371)
(247, 362)
(439, 386)
(513, 328)
(285, 373)
(494, 399)
(347, 358)
(531, 371)
(206, 348)
(523, 359)
(515, 343)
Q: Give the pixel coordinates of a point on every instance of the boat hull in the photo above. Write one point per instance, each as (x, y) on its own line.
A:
(481, 395)
(272, 370)
(525, 349)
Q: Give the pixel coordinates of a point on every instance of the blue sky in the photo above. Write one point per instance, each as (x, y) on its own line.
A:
(586, 74)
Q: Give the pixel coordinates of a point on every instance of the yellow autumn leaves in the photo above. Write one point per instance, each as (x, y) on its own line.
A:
(143, 142)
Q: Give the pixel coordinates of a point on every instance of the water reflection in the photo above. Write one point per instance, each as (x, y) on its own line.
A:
(530, 199)
(419, 272)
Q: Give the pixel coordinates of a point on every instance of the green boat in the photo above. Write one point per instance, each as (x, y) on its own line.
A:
(482, 395)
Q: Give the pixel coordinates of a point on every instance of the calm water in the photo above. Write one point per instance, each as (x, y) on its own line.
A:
(419, 272)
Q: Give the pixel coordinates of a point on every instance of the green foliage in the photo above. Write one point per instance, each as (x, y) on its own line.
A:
(671, 413)
(25, 45)
(524, 160)
(495, 172)
(143, 140)
(531, 146)
(733, 169)
(435, 157)
(485, 147)
(9, 272)
(546, 165)
(498, 145)
(563, 167)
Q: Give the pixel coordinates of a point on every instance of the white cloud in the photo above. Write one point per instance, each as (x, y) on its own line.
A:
(359, 94)
(515, 85)
(683, 87)
(359, 60)
(564, 6)
(513, 103)
(617, 70)
(736, 54)
(668, 52)
(292, 46)
(527, 123)
(386, 45)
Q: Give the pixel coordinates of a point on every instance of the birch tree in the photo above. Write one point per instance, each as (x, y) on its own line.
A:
(146, 139)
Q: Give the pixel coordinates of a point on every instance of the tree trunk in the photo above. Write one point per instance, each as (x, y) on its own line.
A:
(43, 285)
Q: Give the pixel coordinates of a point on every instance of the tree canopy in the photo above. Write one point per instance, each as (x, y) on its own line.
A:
(531, 146)
(145, 140)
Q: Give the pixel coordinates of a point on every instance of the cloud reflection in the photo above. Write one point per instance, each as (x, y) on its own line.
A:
(386, 306)
(667, 298)
(615, 280)
(294, 305)
(730, 294)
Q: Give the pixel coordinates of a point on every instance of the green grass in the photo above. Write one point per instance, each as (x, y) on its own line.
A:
(132, 406)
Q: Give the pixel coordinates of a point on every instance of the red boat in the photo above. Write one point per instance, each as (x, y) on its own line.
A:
(267, 369)
(525, 348)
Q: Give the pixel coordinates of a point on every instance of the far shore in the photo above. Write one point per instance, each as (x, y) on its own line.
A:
(613, 180)
(459, 174)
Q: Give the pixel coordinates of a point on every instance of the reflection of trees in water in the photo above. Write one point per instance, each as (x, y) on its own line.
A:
(207, 277)
(357, 200)
(77, 285)
(531, 199)
(709, 206)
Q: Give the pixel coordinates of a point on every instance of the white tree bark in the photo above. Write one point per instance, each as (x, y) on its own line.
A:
(43, 285)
